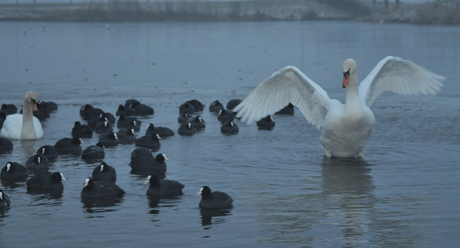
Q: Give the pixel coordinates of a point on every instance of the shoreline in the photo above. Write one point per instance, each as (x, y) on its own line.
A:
(435, 13)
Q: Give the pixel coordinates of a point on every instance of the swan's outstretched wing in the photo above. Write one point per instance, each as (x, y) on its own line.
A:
(399, 76)
(287, 85)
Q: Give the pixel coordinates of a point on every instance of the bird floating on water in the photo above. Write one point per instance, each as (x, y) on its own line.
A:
(346, 128)
(23, 126)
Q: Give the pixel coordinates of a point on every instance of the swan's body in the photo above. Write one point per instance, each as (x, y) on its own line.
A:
(23, 126)
(346, 127)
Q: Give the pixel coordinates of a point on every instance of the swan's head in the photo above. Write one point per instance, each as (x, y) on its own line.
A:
(349, 68)
(32, 98)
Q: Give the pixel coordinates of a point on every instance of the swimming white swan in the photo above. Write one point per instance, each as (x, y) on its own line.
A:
(23, 126)
(346, 127)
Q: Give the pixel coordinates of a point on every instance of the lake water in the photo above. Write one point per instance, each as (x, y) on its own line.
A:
(405, 193)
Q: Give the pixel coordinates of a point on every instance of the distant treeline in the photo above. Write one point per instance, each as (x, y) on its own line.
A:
(190, 10)
(441, 12)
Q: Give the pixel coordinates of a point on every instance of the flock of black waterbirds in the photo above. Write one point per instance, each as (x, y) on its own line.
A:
(121, 128)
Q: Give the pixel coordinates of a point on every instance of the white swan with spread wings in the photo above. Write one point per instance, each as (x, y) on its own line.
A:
(346, 127)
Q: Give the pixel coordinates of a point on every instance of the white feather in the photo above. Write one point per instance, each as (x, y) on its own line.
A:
(287, 85)
(346, 127)
(12, 127)
(399, 76)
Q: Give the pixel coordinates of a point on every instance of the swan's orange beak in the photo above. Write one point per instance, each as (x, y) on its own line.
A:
(34, 106)
(346, 76)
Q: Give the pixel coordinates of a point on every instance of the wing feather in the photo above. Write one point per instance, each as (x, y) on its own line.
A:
(399, 76)
(287, 85)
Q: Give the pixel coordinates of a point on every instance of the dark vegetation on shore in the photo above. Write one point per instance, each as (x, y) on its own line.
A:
(446, 12)
(180, 11)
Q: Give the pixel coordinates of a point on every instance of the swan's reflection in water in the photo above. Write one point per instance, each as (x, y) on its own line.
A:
(347, 192)
(330, 208)
(337, 208)
(27, 146)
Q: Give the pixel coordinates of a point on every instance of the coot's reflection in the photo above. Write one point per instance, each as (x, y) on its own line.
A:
(145, 174)
(14, 183)
(155, 203)
(101, 204)
(46, 193)
(208, 214)
(3, 210)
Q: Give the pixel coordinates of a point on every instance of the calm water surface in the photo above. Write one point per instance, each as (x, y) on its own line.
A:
(405, 193)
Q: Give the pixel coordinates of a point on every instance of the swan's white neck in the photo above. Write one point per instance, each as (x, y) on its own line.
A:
(352, 100)
(28, 129)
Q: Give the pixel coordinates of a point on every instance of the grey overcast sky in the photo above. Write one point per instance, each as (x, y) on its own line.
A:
(76, 1)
